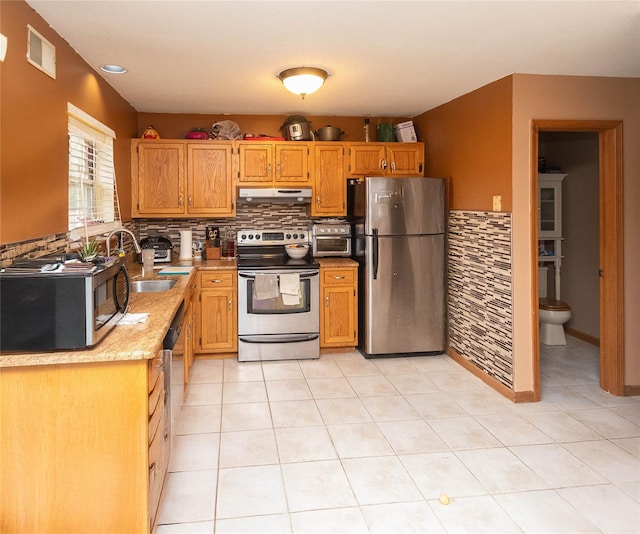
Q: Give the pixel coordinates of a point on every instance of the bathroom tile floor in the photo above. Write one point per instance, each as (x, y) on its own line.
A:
(345, 444)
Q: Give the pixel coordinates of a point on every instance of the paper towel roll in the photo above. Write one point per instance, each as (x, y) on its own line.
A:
(186, 237)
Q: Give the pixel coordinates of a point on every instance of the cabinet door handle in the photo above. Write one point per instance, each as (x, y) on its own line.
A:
(383, 164)
(152, 470)
(216, 281)
(190, 200)
(326, 301)
(338, 277)
(229, 304)
(318, 200)
(278, 168)
(180, 200)
(393, 165)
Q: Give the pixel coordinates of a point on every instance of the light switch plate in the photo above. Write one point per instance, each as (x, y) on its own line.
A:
(497, 203)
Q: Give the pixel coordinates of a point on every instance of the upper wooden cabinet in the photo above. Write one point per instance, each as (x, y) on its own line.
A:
(280, 162)
(330, 185)
(386, 159)
(182, 178)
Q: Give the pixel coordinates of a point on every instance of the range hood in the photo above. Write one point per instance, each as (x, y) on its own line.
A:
(300, 195)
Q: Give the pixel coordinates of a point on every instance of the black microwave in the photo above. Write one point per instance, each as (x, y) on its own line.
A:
(50, 305)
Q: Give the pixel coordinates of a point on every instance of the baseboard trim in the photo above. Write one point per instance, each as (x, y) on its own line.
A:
(513, 396)
(581, 335)
(632, 391)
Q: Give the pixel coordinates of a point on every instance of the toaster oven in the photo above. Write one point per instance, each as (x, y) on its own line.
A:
(331, 239)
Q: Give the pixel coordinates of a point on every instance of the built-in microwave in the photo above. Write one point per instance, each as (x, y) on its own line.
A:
(47, 304)
(331, 239)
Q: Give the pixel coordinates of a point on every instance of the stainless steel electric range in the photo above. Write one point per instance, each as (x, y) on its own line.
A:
(278, 296)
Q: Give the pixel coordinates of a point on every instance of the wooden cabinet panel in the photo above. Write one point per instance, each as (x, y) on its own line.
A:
(292, 163)
(217, 322)
(367, 159)
(256, 162)
(405, 159)
(210, 179)
(386, 159)
(160, 178)
(182, 178)
(339, 307)
(330, 186)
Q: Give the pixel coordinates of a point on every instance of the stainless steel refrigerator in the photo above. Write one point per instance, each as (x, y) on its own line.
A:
(399, 242)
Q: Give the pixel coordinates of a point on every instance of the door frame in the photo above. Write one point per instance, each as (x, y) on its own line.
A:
(611, 239)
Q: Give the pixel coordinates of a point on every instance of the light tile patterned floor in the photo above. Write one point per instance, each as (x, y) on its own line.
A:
(345, 444)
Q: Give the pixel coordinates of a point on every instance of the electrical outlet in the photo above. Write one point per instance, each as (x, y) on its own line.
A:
(497, 203)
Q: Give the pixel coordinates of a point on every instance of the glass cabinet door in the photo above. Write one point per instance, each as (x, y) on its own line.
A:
(550, 205)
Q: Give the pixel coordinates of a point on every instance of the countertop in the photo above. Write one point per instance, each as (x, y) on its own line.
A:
(140, 341)
(336, 262)
(128, 342)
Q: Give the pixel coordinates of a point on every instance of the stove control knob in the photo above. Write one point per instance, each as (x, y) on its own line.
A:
(301, 236)
(295, 236)
(257, 236)
(321, 230)
(343, 230)
(243, 236)
(288, 236)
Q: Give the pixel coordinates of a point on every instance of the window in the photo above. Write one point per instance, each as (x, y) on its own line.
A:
(93, 198)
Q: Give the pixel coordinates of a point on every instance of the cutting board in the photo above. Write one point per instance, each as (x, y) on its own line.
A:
(177, 269)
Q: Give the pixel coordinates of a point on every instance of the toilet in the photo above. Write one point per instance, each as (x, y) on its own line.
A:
(552, 313)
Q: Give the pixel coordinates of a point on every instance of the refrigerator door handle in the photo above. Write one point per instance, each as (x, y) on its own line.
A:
(374, 231)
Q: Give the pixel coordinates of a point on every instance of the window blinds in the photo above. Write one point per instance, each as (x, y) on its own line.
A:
(93, 200)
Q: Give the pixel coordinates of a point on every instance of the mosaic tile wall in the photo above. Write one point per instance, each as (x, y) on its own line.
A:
(247, 216)
(480, 308)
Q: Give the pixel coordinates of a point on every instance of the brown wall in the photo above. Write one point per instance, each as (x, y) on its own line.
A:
(174, 126)
(33, 129)
(574, 98)
(468, 140)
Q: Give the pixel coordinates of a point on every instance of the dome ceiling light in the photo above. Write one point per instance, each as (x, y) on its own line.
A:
(113, 69)
(303, 80)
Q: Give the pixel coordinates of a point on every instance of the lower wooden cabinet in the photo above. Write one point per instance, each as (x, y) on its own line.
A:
(217, 312)
(338, 307)
(83, 447)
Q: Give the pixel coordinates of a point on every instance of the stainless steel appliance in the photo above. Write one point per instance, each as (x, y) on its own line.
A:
(161, 245)
(59, 303)
(331, 239)
(278, 297)
(400, 245)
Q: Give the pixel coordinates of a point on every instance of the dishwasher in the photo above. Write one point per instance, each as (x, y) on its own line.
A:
(171, 339)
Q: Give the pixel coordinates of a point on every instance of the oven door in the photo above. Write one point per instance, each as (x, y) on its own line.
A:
(261, 316)
(324, 246)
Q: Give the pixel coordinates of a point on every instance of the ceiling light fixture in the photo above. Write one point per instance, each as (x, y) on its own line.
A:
(303, 80)
(113, 69)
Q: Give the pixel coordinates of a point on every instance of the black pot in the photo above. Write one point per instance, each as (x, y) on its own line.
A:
(329, 133)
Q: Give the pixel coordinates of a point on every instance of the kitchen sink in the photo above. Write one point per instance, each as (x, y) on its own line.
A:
(146, 286)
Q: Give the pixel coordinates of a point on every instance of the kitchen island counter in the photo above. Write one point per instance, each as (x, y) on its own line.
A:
(128, 342)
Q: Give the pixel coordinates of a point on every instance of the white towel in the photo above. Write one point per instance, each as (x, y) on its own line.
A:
(290, 289)
(266, 286)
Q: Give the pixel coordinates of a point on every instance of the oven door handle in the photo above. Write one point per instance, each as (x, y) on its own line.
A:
(279, 338)
(303, 274)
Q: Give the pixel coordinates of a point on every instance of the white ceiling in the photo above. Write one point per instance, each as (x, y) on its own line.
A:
(385, 58)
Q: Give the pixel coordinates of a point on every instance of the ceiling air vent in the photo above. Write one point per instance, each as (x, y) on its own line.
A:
(41, 53)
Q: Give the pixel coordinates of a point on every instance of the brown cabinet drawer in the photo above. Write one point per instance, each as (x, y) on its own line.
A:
(217, 279)
(156, 407)
(332, 277)
(155, 368)
(156, 473)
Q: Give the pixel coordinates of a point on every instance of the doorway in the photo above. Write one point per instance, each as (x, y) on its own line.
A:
(611, 303)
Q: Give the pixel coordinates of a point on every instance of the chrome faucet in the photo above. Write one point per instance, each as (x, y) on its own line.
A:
(136, 246)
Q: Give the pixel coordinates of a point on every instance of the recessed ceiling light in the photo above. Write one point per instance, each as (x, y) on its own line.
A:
(113, 69)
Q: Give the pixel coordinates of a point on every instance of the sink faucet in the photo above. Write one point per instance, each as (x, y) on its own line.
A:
(136, 246)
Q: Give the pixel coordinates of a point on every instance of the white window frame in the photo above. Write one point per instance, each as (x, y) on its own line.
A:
(93, 198)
